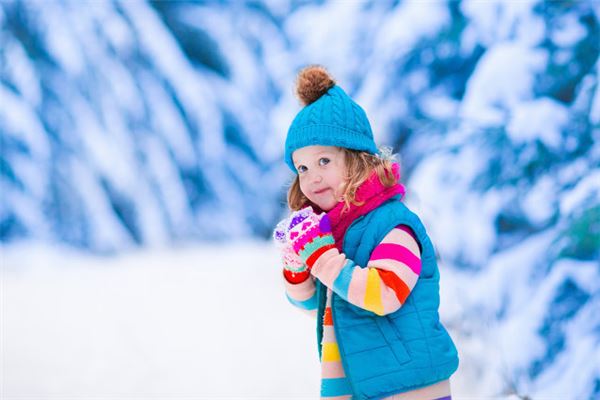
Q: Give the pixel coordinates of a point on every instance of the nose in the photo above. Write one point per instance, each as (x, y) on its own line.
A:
(316, 177)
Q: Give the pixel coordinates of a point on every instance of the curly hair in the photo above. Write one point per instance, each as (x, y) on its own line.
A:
(359, 165)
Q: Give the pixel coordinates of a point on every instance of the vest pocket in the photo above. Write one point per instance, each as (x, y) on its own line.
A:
(400, 352)
(372, 363)
(360, 338)
(394, 342)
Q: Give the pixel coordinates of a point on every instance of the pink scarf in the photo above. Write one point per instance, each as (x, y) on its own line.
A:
(373, 194)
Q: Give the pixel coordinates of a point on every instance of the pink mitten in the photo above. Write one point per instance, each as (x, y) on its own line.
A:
(294, 270)
(310, 235)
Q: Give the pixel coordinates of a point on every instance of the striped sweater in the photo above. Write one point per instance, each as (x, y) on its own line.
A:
(382, 287)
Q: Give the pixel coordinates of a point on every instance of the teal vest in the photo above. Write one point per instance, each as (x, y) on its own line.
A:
(398, 352)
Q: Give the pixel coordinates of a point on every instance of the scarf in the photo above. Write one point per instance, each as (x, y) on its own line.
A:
(372, 194)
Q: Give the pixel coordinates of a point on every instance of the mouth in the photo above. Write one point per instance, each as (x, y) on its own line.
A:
(320, 191)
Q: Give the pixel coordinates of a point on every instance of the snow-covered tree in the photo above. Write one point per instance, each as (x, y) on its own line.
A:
(135, 123)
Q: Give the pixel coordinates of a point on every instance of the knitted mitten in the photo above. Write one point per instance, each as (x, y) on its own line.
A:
(310, 235)
(294, 270)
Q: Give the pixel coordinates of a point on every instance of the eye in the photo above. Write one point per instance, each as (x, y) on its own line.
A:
(324, 161)
(301, 169)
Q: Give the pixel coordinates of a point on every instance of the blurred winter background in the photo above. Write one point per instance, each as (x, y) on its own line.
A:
(141, 174)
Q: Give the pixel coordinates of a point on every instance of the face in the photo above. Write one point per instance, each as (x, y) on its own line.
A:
(321, 171)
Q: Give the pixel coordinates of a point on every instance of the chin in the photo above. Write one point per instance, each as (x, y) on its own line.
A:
(327, 206)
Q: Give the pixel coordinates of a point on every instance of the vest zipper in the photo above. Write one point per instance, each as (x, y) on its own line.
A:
(335, 324)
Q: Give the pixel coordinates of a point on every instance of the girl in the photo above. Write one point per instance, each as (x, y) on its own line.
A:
(358, 257)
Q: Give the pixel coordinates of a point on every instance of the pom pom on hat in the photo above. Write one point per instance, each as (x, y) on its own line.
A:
(329, 117)
(312, 83)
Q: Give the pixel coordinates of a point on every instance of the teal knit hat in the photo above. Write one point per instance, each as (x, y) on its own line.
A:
(330, 117)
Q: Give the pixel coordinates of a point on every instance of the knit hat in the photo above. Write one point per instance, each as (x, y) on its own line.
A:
(329, 117)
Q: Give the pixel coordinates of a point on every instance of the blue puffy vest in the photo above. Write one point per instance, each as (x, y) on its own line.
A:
(398, 352)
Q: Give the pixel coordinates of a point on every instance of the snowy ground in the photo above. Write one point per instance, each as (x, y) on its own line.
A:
(194, 322)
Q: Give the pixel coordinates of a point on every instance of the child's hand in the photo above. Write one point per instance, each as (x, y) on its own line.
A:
(294, 270)
(310, 235)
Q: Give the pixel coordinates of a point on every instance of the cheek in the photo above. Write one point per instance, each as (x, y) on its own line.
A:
(302, 185)
(337, 181)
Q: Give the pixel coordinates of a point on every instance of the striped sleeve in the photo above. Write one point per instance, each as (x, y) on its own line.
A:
(303, 295)
(384, 285)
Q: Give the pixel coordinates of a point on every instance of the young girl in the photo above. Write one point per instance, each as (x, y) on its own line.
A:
(355, 254)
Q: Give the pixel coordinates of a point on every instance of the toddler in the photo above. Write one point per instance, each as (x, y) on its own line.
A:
(358, 258)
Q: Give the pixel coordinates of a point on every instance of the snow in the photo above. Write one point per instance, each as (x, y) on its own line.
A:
(106, 229)
(496, 324)
(436, 193)
(20, 120)
(26, 209)
(497, 21)
(173, 196)
(440, 107)
(196, 321)
(539, 203)
(108, 153)
(587, 190)
(542, 119)
(407, 24)
(194, 92)
(114, 27)
(229, 35)
(121, 121)
(169, 123)
(579, 363)
(570, 31)
(17, 66)
(503, 78)
(122, 94)
(334, 23)
(595, 107)
(62, 43)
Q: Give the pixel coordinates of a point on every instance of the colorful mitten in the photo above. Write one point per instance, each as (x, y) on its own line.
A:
(310, 235)
(294, 270)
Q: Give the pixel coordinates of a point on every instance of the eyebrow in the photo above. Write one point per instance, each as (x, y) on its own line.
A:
(328, 152)
(325, 152)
